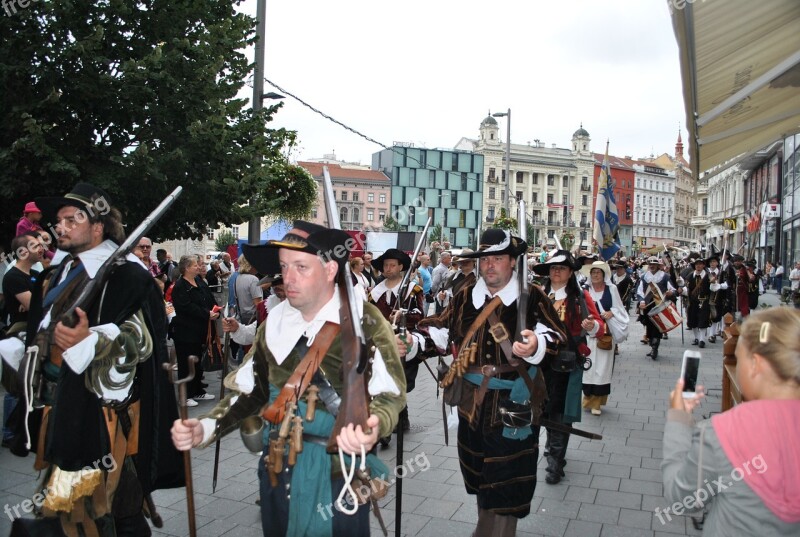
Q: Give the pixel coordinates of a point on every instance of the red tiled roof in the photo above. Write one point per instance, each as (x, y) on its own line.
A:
(615, 162)
(337, 172)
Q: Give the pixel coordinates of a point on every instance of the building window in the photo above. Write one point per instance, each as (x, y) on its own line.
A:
(313, 215)
(344, 195)
(565, 181)
(370, 197)
(551, 218)
(491, 192)
(381, 216)
(549, 199)
(463, 180)
(490, 216)
(381, 198)
(535, 197)
(370, 216)
(519, 197)
(356, 214)
(452, 199)
(412, 177)
(535, 178)
(454, 161)
(551, 180)
(537, 216)
(462, 218)
(210, 235)
(343, 214)
(355, 196)
(584, 200)
(503, 175)
(491, 173)
(235, 229)
(564, 200)
(519, 177)
(551, 233)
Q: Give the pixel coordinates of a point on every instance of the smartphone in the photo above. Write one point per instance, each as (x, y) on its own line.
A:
(689, 370)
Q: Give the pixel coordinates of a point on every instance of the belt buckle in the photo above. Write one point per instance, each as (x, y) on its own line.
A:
(498, 332)
(488, 370)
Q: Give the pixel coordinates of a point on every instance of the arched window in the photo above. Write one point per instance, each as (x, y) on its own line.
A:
(356, 214)
(343, 214)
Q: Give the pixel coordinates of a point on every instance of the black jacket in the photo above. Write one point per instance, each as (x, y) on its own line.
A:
(192, 310)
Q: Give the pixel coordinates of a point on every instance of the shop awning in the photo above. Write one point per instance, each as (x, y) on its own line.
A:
(740, 64)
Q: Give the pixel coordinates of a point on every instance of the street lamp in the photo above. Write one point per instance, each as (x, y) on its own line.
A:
(507, 115)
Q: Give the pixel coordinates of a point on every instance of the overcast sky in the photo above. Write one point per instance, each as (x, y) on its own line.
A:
(427, 72)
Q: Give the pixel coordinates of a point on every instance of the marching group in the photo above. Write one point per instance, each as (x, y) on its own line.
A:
(514, 357)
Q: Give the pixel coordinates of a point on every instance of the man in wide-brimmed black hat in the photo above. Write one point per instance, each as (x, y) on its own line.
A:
(393, 264)
(623, 281)
(698, 291)
(720, 287)
(299, 347)
(498, 457)
(564, 388)
(101, 376)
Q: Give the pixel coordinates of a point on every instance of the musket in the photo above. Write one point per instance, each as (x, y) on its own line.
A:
(405, 282)
(226, 346)
(354, 408)
(522, 276)
(93, 288)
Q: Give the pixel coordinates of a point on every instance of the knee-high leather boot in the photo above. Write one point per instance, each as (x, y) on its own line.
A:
(555, 453)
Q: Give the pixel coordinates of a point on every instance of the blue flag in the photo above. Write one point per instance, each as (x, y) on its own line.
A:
(606, 217)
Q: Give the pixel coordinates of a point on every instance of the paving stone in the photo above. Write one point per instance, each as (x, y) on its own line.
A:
(581, 494)
(582, 528)
(610, 470)
(598, 513)
(618, 499)
(635, 518)
(641, 487)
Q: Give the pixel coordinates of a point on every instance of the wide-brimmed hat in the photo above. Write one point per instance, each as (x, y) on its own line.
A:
(751, 263)
(84, 196)
(31, 207)
(562, 258)
(392, 253)
(714, 257)
(602, 265)
(274, 279)
(737, 258)
(694, 262)
(329, 244)
(619, 265)
(496, 241)
(581, 261)
(460, 257)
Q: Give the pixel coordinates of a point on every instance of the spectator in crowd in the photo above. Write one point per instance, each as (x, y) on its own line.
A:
(794, 276)
(358, 276)
(747, 451)
(145, 245)
(374, 276)
(190, 328)
(779, 277)
(214, 277)
(29, 222)
(165, 267)
(247, 292)
(437, 277)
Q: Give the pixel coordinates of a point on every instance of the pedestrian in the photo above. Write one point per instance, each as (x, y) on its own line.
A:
(779, 277)
(650, 296)
(437, 278)
(597, 379)
(570, 301)
(297, 495)
(794, 277)
(393, 263)
(741, 466)
(698, 291)
(497, 454)
(373, 275)
(357, 274)
(102, 381)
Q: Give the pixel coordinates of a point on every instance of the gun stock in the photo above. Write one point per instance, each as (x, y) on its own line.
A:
(354, 407)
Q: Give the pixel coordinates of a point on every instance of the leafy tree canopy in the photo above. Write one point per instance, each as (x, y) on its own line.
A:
(390, 224)
(139, 97)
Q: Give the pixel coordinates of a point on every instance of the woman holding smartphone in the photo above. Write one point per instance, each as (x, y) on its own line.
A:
(743, 465)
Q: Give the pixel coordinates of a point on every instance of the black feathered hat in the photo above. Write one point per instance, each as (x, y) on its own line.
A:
(496, 241)
(562, 258)
(392, 253)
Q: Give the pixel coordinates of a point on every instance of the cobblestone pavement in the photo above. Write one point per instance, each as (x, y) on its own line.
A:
(612, 486)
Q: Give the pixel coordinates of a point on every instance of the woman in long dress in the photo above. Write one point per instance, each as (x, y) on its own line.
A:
(597, 380)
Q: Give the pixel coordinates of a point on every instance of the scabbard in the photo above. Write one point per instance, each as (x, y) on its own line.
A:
(569, 429)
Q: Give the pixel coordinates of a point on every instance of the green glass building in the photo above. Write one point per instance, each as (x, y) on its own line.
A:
(445, 183)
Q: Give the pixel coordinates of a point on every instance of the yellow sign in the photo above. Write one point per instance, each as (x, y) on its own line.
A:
(729, 223)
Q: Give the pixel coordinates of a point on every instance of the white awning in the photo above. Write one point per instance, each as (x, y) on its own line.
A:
(740, 64)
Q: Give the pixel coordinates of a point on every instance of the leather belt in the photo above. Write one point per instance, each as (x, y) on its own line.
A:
(488, 371)
(314, 439)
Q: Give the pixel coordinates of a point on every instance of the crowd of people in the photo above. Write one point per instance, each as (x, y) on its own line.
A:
(513, 358)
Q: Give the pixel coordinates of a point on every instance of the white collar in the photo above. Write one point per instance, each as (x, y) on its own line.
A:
(702, 274)
(379, 290)
(559, 294)
(285, 325)
(507, 294)
(93, 259)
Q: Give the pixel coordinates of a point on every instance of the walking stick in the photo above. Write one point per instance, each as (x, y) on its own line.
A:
(172, 372)
(225, 349)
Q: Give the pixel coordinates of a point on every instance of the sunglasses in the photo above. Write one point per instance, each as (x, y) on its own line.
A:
(144, 246)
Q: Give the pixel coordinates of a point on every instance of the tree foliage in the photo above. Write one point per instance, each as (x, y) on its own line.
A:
(435, 234)
(390, 224)
(223, 240)
(139, 97)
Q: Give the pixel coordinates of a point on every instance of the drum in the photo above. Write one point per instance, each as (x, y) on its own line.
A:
(665, 316)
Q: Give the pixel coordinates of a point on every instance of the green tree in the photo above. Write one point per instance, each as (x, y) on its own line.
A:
(435, 234)
(505, 222)
(223, 240)
(390, 224)
(139, 97)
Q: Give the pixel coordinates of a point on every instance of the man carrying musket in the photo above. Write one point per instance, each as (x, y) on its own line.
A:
(497, 445)
(293, 377)
(106, 403)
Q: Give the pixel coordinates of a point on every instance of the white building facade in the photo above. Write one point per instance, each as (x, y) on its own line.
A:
(654, 207)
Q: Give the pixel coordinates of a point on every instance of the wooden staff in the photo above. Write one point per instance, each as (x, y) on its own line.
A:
(172, 372)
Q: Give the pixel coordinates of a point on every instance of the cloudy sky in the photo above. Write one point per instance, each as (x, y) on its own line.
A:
(427, 72)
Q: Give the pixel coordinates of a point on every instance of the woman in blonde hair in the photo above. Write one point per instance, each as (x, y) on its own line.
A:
(743, 465)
